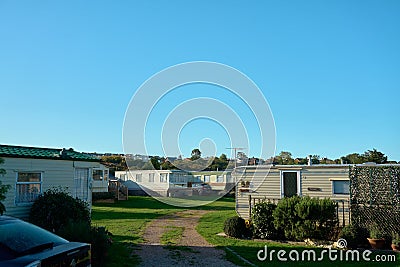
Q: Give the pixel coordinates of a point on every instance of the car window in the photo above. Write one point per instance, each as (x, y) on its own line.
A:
(19, 236)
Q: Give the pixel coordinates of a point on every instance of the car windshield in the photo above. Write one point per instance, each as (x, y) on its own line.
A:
(18, 237)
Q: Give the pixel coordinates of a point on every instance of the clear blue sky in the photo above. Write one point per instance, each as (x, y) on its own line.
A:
(330, 70)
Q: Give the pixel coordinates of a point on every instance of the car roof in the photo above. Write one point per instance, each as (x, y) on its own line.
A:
(8, 218)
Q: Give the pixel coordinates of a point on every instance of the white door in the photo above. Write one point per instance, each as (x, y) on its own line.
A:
(81, 184)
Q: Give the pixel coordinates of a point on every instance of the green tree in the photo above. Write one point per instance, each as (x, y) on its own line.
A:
(196, 154)
(284, 158)
(353, 158)
(3, 189)
(156, 162)
(375, 156)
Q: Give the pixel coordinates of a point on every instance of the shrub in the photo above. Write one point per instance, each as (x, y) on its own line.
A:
(235, 227)
(285, 216)
(263, 221)
(355, 236)
(306, 217)
(375, 232)
(98, 237)
(55, 208)
(396, 239)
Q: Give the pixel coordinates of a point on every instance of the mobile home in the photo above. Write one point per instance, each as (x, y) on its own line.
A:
(32, 170)
(272, 183)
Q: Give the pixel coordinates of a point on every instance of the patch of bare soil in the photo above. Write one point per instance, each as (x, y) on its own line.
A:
(191, 250)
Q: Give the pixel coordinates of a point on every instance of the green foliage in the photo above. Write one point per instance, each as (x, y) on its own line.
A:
(98, 237)
(114, 162)
(55, 208)
(396, 239)
(375, 232)
(305, 217)
(354, 235)
(375, 156)
(3, 190)
(235, 227)
(263, 221)
(285, 216)
(196, 154)
(102, 195)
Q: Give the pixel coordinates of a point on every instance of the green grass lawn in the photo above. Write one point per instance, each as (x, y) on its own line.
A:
(127, 220)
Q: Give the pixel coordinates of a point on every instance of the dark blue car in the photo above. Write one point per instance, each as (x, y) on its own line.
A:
(24, 244)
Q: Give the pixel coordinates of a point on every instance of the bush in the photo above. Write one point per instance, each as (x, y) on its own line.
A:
(263, 221)
(285, 216)
(55, 208)
(355, 236)
(98, 237)
(235, 227)
(102, 195)
(306, 217)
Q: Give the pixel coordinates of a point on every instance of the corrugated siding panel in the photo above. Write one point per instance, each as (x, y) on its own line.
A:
(55, 173)
(309, 178)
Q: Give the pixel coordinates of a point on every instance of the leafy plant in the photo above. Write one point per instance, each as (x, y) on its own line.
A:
(3, 190)
(396, 239)
(263, 220)
(354, 235)
(375, 232)
(235, 227)
(55, 208)
(306, 217)
(98, 237)
(285, 216)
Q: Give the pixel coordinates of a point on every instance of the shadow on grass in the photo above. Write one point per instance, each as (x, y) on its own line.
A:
(171, 255)
(146, 202)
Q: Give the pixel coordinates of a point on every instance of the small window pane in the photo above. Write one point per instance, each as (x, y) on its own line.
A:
(29, 177)
(341, 187)
(151, 177)
(27, 193)
(97, 175)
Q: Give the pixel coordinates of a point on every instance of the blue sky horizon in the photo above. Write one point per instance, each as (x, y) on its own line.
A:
(328, 69)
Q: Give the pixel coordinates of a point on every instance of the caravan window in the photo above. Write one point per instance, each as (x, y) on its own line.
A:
(29, 186)
(151, 177)
(97, 174)
(341, 187)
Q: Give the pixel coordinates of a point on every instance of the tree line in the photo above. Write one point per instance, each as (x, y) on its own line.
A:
(195, 162)
(285, 158)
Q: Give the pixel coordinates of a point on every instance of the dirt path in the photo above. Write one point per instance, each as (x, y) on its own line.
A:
(191, 250)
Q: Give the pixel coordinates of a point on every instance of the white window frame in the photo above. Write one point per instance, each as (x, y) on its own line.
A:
(208, 178)
(138, 177)
(298, 182)
(151, 177)
(101, 176)
(220, 179)
(27, 183)
(333, 187)
(163, 177)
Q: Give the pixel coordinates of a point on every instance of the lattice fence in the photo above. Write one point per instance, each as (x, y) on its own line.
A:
(375, 197)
